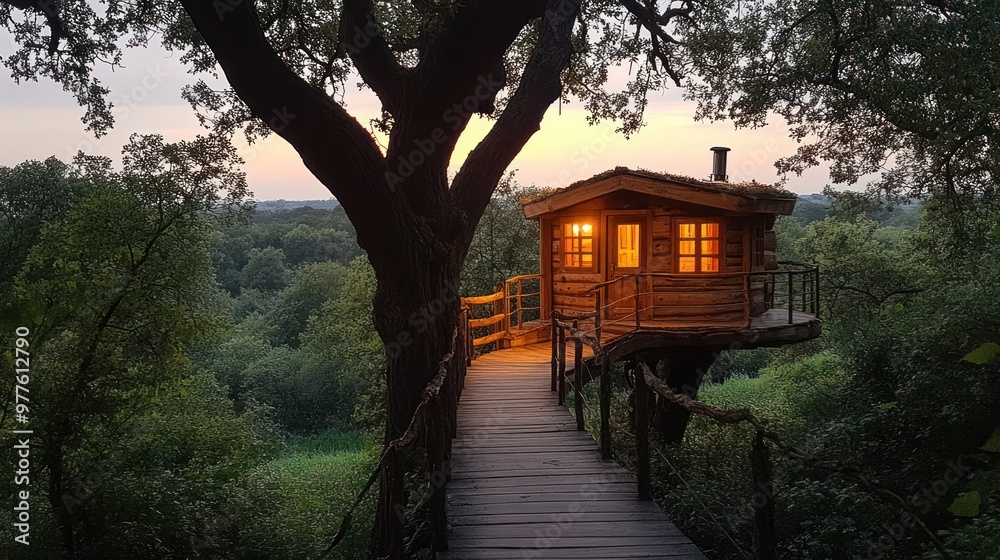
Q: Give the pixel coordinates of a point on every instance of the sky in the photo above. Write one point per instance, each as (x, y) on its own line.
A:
(38, 120)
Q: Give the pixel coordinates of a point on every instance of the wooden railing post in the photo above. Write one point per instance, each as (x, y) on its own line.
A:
(520, 304)
(435, 447)
(500, 306)
(642, 434)
(469, 354)
(817, 290)
(562, 366)
(791, 296)
(605, 408)
(578, 375)
(805, 292)
(637, 304)
(555, 352)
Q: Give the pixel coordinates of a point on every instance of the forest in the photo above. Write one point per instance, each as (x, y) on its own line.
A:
(216, 381)
(189, 376)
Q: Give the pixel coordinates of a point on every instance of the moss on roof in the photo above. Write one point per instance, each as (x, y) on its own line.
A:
(752, 188)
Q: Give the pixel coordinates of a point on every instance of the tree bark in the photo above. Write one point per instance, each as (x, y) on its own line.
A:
(685, 368)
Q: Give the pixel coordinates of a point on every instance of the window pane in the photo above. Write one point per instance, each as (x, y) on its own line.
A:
(628, 245)
(588, 259)
(710, 247)
(687, 231)
(709, 264)
(686, 264)
(587, 243)
(686, 247)
(710, 229)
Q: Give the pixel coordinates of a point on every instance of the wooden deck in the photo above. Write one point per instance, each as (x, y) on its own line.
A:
(525, 484)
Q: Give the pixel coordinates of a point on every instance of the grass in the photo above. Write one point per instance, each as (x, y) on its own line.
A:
(301, 497)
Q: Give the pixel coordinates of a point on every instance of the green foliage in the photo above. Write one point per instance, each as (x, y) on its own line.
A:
(862, 270)
(860, 84)
(265, 270)
(984, 354)
(31, 194)
(313, 285)
(505, 243)
(341, 341)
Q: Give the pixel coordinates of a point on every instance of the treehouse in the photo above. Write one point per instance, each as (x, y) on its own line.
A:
(641, 251)
(657, 269)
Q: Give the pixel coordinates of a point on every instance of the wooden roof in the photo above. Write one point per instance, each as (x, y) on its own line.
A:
(736, 197)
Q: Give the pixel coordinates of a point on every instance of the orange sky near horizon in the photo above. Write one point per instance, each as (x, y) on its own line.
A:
(39, 120)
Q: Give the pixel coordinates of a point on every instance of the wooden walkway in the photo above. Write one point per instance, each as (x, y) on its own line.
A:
(526, 484)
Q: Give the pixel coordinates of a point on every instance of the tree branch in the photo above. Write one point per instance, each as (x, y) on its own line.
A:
(362, 38)
(332, 144)
(540, 86)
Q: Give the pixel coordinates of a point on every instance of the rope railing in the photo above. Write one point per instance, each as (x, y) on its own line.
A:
(433, 425)
(565, 328)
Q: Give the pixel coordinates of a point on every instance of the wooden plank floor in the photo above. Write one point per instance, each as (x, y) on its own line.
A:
(526, 484)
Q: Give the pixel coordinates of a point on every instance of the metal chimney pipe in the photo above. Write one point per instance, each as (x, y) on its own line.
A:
(719, 164)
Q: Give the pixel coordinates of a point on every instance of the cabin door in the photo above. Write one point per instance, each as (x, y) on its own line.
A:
(625, 258)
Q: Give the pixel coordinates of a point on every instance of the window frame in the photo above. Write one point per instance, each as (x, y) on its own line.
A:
(563, 243)
(676, 234)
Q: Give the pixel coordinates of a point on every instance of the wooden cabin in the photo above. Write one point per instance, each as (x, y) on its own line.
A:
(661, 250)
(654, 268)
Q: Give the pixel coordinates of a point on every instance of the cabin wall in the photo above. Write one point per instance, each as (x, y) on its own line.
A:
(689, 300)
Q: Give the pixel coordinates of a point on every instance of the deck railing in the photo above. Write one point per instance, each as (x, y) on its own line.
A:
(492, 317)
(795, 289)
(524, 299)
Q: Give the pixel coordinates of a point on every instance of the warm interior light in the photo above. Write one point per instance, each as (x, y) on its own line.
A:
(587, 228)
(576, 229)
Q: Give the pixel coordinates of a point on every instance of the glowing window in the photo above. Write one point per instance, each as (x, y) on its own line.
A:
(578, 245)
(628, 246)
(698, 247)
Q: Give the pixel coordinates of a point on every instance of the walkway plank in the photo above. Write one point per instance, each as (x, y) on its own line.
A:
(527, 485)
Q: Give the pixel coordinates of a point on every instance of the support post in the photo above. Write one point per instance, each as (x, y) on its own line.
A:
(637, 304)
(501, 306)
(597, 314)
(605, 408)
(642, 435)
(578, 376)
(562, 366)
(765, 539)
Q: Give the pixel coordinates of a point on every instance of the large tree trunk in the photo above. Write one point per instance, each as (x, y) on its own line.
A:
(416, 314)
